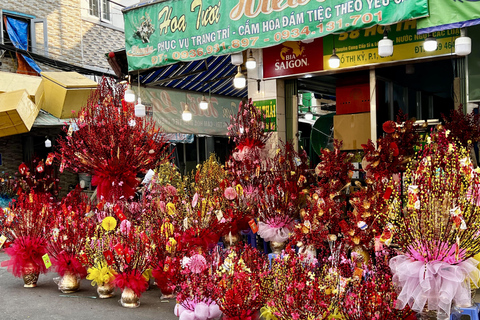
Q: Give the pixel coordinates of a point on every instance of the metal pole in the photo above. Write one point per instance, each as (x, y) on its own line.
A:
(198, 149)
(185, 158)
(373, 107)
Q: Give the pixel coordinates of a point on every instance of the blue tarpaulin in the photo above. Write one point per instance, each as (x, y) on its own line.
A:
(18, 32)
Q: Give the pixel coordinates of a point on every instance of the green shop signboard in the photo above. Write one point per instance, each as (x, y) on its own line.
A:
(167, 105)
(165, 32)
(269, 109)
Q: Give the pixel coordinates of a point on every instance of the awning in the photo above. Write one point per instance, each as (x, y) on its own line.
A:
(211, 75)
(448, 14)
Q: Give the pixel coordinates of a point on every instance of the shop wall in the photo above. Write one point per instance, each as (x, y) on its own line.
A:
(72, 37)
(12, 153)
(269, 89)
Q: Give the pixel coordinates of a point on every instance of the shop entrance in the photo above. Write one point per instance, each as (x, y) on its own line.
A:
(421, 90)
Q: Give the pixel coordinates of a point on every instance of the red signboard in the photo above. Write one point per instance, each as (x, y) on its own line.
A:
(293, 57)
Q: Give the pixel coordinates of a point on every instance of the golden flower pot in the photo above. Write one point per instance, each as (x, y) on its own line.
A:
(105, 290)
(362, 255)
(432, 315)
(30, 275)
(231, 239)
(277, 247)
(308, 251)
(129, 299)
(69, 283)
(30, 279)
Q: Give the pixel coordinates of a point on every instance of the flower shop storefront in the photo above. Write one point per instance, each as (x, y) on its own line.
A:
(260, 235)
(168, 33)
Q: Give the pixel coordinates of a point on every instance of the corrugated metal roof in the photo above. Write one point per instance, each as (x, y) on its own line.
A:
(45, 119)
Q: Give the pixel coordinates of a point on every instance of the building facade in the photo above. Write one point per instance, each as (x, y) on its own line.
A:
(71, 35)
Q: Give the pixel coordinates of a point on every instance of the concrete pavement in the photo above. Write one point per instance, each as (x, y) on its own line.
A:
(47, 302)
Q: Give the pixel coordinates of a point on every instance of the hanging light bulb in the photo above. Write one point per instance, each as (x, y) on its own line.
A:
(203, 104)
(139, 109)
(239, 81)
(463, 44)
(129, 94)
(385, 46)
(251, 62)
(48, 143)
(236, 59)
(334, 61)
(309, 115)
(307, 40)
(186, 115)
(430, 43)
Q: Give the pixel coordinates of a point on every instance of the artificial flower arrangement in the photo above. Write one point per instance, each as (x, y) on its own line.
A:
(166, 262)
(195, 299)
(334, 171)
(281, 194)
(202, 207)
(326, 203)
(26, 228)
(247, 129)
(98, 256)
(237, 212)
(247, 163)
(437, 221)
(465, 127)
(297, 289)
(121, 255)
(132, 261)
(162, 211)
(109, 142)
(370, 293)
(38, 176)
(393, 151)
(69, 231)
(366, 217)
(162, 197)
(368, 213)
(242, 283)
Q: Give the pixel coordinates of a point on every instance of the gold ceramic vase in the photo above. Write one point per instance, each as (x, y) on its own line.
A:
(30, 280)
(129, 299)
(231, 239)
(69, 283)
(432, 315)
(105, 290)
(30, 275)
(362, 255)
(309, 251)
(277, 247)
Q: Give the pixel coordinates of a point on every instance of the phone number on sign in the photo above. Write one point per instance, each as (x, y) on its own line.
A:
(330, 26)
(199, 52)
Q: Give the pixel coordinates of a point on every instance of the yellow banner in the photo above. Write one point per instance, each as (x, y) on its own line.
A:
(362, 50)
